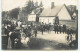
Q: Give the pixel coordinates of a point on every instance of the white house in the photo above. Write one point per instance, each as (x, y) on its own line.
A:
(32, 16)
(49, 15)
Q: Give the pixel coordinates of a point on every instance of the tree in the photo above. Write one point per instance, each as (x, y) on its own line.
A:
(4, 13)
(41, 5)
(36, 4)
(32, 6)
(14, 13)
(71, 9)
(29, 6)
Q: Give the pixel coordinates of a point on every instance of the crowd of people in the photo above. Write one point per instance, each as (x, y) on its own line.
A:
(19, 34)
(64, 29)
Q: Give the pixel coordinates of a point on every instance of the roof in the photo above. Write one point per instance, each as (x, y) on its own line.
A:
(32, 12)
(54, 11)
(51, 12)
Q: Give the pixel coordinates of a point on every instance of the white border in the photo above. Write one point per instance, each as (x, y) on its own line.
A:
(46, 51)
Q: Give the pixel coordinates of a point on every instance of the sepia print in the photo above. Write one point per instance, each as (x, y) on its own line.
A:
(39, 25)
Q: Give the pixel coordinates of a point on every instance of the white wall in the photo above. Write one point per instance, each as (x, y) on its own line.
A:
(63, 14)
(32, 17)
(47, 20)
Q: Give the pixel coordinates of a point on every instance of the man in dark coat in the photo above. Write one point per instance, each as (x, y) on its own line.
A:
(35, 31)
(60, 29)
(26, 31)
(12, 27)
(64, 28)
(13, 36)
(48, 27)
(57, 28)
(42, 29)
(18, 37)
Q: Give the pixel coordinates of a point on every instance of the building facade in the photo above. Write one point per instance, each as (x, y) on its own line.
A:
(32, 17)
(49, 15)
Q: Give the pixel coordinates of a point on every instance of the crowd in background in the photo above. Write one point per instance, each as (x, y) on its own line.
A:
(19, 34)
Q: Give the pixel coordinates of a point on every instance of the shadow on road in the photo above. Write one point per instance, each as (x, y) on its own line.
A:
(42, 44)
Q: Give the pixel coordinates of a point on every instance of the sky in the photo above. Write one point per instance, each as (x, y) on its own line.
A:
(11, 4)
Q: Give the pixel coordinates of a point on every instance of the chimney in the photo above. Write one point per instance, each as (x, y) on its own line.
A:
(52, 5)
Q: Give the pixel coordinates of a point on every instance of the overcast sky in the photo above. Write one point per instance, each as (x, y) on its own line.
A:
(10, 4)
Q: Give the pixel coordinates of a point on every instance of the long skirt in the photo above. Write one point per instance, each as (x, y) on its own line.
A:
(9, 43)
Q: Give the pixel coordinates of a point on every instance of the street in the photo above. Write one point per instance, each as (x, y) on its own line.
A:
(49, 41)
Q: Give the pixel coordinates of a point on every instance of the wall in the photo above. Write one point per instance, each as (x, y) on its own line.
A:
(32, 17)
(47, 20)
(63, 14)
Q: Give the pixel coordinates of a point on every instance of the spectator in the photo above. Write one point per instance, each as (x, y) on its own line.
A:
(19, 24)
(10, 41)
(6, 31)
(60, 29)
(17, 44)
(42, 29)
(35, 31)
(64, 28)
(57, 28)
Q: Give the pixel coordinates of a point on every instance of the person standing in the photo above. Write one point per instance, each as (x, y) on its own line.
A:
(10, 42)
(22, 34)
(16, 40)
(35, 31)
(57, 28)
(26, 32)
(60, 29)
(71, 37)
(48, 27)
(13, 36)
(64, 28)
(6, 31)
(19, 24)
(42, 29)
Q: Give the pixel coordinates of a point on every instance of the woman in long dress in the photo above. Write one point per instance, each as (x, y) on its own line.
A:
(9, 41)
